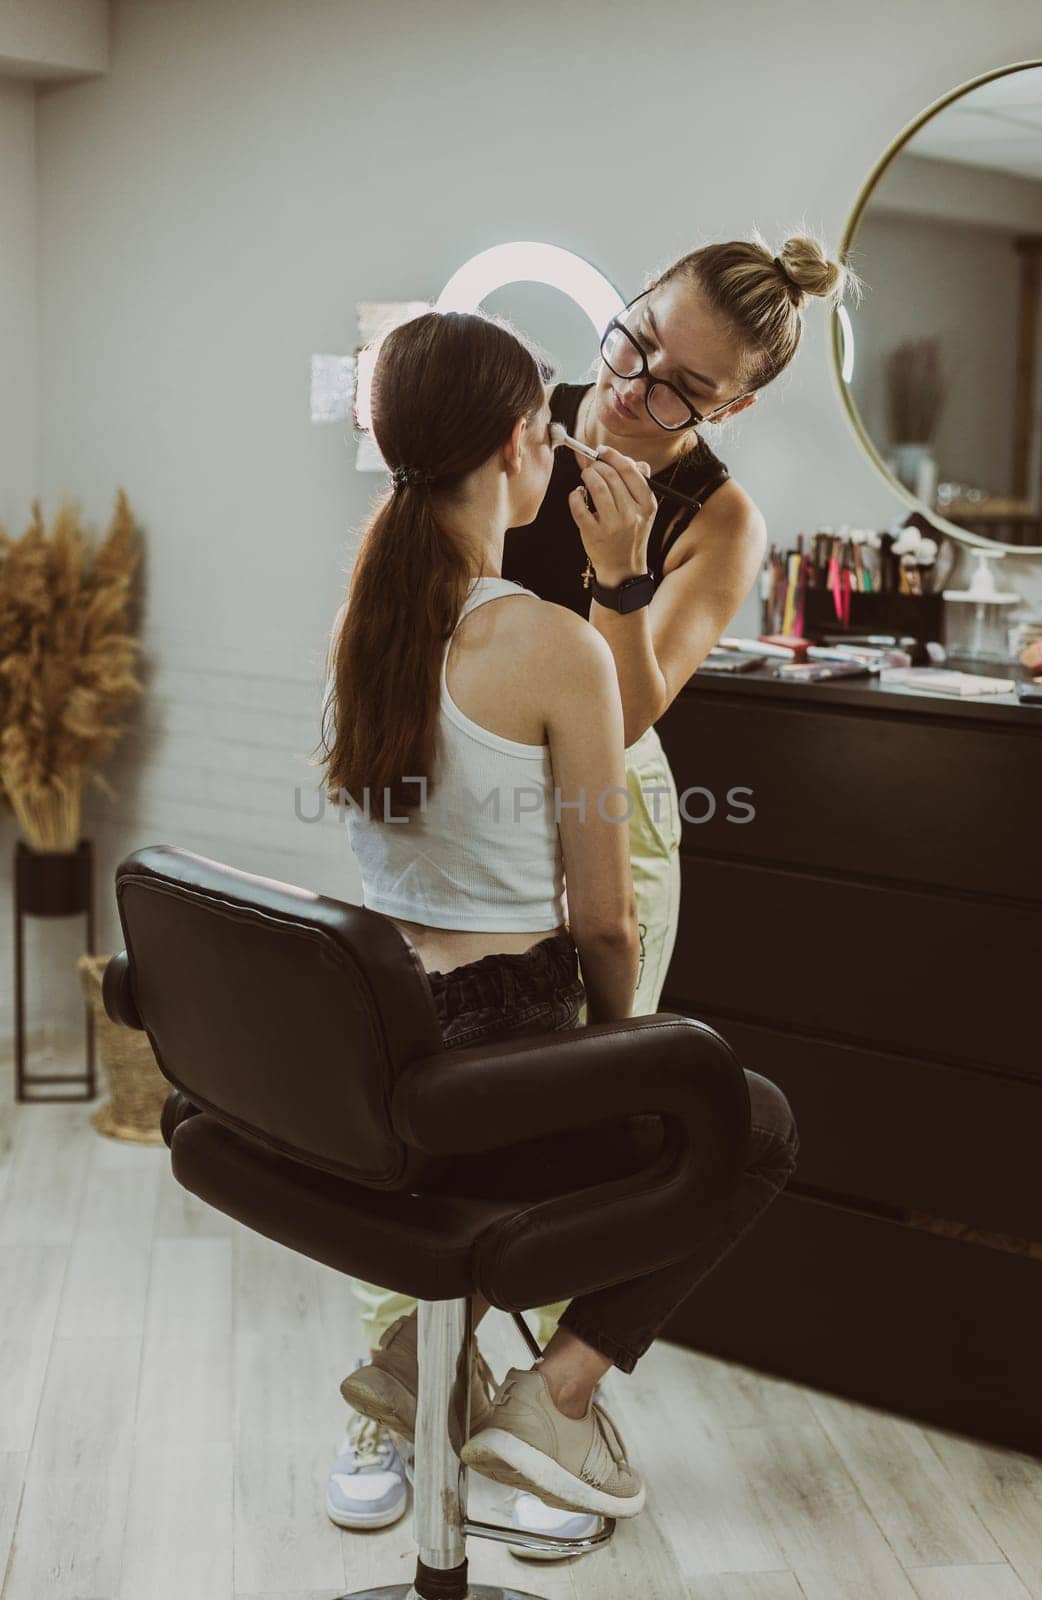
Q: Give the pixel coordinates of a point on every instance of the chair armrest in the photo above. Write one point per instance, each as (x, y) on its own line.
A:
(465, 1101)
(116, 994)
(177, 1108)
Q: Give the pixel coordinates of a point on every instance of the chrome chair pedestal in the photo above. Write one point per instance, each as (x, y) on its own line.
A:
(440, 1481)
(406, 1591)
(474, 1592)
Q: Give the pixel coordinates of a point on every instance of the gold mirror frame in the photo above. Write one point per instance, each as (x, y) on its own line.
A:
(836, 330)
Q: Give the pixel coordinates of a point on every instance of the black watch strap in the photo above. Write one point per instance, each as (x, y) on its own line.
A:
(629, 595)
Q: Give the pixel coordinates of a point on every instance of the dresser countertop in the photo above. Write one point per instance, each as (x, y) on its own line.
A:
(869, 694)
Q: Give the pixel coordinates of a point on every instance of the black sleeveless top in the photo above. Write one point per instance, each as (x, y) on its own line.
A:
(547, 555)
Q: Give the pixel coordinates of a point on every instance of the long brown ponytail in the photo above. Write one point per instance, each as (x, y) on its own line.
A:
(447, 389)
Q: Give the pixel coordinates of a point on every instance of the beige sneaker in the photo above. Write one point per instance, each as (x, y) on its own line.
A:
(386, 1387)
(575, 1465)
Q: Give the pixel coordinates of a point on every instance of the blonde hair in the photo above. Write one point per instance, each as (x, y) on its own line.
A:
(759, 294)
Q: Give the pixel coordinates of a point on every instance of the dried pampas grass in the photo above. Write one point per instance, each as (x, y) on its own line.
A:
(66, 666)
(914, 390)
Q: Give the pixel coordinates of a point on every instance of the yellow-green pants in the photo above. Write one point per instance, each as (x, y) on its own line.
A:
(654, 827)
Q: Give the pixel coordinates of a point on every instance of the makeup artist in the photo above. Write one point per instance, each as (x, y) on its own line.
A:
(693, 348)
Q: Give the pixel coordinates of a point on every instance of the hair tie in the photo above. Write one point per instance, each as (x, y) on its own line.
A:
(403, 477)
(795, 290)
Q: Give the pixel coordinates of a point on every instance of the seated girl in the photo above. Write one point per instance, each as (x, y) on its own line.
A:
(479, 748)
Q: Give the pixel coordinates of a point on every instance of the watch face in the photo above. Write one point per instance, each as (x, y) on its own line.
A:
(636, 592)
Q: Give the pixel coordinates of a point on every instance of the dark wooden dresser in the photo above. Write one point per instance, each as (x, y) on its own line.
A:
(872, 940)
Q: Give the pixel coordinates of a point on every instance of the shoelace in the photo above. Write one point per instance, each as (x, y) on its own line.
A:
(607, 1452)
(484, 1373)
(481, 1370)
(506, 1393)
(370, 1442)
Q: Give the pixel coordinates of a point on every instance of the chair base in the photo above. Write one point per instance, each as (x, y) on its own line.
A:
(477, 1591)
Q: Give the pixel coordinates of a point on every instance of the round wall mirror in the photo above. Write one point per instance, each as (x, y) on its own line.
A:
(940, 366)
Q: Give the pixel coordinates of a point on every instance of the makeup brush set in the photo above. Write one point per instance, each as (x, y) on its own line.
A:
(857, 579)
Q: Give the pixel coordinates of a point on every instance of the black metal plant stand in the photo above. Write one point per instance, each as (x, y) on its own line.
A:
(54, 883)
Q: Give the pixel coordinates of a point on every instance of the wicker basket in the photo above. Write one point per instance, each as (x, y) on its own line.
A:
(137, 1088)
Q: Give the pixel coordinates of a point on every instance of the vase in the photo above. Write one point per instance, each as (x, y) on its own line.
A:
(915, 466)
(48, 884)
(137, 1089)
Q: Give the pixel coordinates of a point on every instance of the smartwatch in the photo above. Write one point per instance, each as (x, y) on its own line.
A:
(631, 594)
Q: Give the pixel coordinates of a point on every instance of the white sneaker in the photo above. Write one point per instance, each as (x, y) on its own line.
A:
(529, 1515)
(366, 1487)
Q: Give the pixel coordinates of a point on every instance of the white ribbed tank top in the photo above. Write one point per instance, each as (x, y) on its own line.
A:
(484, 851)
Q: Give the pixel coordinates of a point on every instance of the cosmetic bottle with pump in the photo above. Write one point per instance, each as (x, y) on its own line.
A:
(987, 641)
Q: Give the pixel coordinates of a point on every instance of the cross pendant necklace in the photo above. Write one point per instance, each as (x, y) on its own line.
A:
(587, 575)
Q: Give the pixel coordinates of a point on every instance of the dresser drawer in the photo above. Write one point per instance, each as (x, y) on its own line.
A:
(939, 1329)
(895, 1132)
(873, 795)
(937, 977)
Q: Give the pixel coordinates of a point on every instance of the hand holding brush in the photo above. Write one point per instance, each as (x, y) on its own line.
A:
(559, 436)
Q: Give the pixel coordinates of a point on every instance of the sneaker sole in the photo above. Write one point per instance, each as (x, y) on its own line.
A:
(374, 1519)
(505, 1458)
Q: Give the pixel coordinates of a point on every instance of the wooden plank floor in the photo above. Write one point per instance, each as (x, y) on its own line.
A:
(169, 1409)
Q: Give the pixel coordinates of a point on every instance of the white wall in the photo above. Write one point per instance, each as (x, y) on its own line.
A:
(19, 355)
(53, 39)
(212, 208)
(19, 400)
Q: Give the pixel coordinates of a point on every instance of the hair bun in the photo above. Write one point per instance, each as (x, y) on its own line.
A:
(803, 263)
(790, 282)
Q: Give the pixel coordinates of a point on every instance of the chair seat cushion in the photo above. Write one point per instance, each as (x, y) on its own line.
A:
(421, 1245)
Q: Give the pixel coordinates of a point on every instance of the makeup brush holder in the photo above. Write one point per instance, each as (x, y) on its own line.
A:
(916, 616)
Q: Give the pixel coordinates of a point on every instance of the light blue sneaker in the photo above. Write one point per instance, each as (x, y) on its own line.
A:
(366, 1487)
(530, 1515)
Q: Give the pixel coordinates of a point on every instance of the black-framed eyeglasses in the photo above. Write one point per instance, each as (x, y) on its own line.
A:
(665, 404)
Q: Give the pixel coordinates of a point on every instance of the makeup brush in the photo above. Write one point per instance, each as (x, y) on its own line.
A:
(558, 436)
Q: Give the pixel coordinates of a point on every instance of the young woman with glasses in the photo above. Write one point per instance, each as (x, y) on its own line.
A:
(695, 347)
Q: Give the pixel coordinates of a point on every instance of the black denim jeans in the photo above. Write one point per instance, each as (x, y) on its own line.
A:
(505, 996)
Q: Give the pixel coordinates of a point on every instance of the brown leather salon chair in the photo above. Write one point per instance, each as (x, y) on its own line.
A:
(316, 1104)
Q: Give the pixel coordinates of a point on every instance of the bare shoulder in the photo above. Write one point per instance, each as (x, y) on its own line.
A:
(554, 643)
(730, 525)
(735, 506)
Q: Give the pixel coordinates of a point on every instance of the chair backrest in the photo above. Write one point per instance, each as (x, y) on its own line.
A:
(284, 1013)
